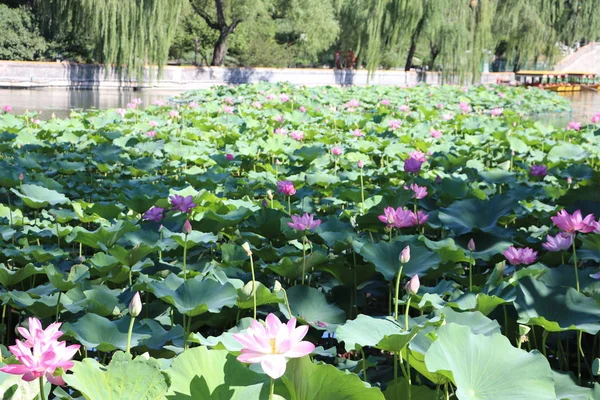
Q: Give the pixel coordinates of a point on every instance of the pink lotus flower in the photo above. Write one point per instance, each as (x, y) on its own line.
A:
(471, 245)
(388, 217)
(7, 108)
(496, 112)
(174, 114)
(385, 102)
(257, 104)
(121, 112)
(302, 109)
(151, 134)
(404, 108)
(187, 227)
(192, 105)
(281, 131)
(154, 214)
(523, 256)
(418, 155)
(41, 354)
(137, 101)
(270, 96)
(402, 218)
(435, 133)
(284, 98)
(395, 124)
(405, 255)
(286, 187)
(304, 222)
(573, 125)
(420, 192)
(360, 164)
(560, 242)
(440, 106)
(228, 109)
(420, 218)
(297, 135)
(501, 95)
(229, 100)
(413, 285)
(229, 157)
(357, 133)
(465, 107)
(153, 124)
(273, 344)
(159, 103)
(183, 204)
(337, 151)
(596, 119)
(352, 104)
(279, 118)
(574, 223)
(447, 117)
(538, 170)
(131, 106)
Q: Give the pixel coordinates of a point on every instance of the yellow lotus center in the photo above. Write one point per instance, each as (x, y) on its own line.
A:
(273, 346)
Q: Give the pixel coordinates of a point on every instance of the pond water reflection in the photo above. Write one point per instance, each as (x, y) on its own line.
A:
(60, 101)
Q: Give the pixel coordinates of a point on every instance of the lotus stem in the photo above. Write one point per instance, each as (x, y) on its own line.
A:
(185, 257)
(362, 193)
(545, 335)
(287, 302)
(290, 205)
(303, 258)
(42, 394)
(272, 389)
(575, 263)
(129, 333)
(406, 312)
(253, 284)
(471, 265)
(397, 292)
(364, 364)
(58, 306)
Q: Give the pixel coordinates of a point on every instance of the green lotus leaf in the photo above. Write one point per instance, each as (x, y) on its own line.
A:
(488, 367)
(38, 196)
(123, 379)
(397, 390)
(92, 330)
(567, 151)
(264, 296)
(567, 388)
(557, 309)
(64, 282)
(466, 215)
(310, 305)
(12, 276)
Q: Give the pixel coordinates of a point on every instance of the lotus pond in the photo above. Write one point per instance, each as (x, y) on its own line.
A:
(282, 242)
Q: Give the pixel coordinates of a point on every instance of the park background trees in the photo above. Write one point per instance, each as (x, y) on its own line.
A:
(453, 36)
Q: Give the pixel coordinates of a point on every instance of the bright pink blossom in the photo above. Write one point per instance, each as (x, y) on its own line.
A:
(121, 112)
(465, 107)
(395, 124)
(596, 119)
(496, 112)
(573, 223)
(256, 104)
(302, 109)
(385, 102)
(413, 285)
(273, 344)
(284, 98)
(560, 242)
(523, 256)
(420, 192)
(304, 222)
(352, 104)
(573, 125)
(337, 151)
(281, 131)
(297, 135)
(174, 114)
(357, 133)
(228, 109)
(420, 218)
(286, 187)
(153, 124)
(538, 170)
(41, 354)
(7, 108)
(435, 133)
(151, 134)
(404, 108)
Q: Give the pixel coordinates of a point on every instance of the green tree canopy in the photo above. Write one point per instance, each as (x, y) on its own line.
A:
(20, 38)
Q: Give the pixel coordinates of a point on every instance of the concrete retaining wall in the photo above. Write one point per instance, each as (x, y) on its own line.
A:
(16, 74)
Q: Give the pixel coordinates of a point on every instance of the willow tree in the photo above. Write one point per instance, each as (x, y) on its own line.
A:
(126, 33)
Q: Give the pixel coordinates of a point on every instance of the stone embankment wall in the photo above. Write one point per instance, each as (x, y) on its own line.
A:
(14, 74)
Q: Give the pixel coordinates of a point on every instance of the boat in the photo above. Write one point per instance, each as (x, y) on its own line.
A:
(558, 81)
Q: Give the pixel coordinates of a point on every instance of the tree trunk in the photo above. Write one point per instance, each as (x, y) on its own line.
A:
(220, 50)
(411, 54)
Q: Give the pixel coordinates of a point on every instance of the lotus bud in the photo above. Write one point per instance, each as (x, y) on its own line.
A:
(471, 245)
(361, 163)
(269, 194)
(21, 176)
(135, 307)
(412, 286)
(146, 355)
(405, 255)
(569, 180)
(187, 227)
(277, 286)
(246, 247)
(524, 330)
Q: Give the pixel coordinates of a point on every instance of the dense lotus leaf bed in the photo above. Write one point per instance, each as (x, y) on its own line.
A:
(183, 202)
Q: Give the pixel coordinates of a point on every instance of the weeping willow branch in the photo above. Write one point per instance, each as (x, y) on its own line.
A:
(128, 34)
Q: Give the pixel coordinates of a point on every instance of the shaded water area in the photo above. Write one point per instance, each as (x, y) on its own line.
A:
(61, 101)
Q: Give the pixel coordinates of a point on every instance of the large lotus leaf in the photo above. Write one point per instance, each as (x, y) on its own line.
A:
(366, 331)
(306, 380)
(195, 296)
(263, 295)
(130, 257)
(92, 330)
(10, 277)
(122, 379)
(159, 336)
(557, 309)
(385, 256)
(488, 367)
(193, 239)
(476, 321)
(337, 234)
(567, 388)
(38, 196)
(42, 306)
(567, 151)
(465, 215)
(98, 299)
(64, 282)
(291, 268)
(310, 305)
(102, 237)
(13, 387)
(199, 373)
